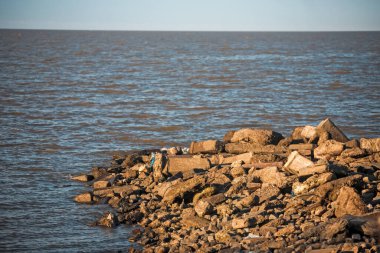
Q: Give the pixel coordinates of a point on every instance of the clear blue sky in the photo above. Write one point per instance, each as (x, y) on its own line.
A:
(230, 15)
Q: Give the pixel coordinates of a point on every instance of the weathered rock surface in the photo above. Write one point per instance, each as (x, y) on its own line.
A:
(314, 191)
(349, 202)
(258, 136)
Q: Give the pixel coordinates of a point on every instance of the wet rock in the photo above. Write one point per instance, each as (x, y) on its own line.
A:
(370, 145)
(108, 220)
(328, 126)
(86, 198)
(83, 178)
(183, 163)
(328, 149)
(259, 136)
(271, 175)
(296, 163)
(206, 147)
(349, 202)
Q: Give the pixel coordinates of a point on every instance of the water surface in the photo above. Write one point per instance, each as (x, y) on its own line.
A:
(69, 98)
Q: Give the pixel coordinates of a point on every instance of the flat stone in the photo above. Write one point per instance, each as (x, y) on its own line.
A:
(285, 231)
(110, 191)
(244, 147)
(301, 146)
(353, 152)
(349, 202)
(368, 224)
(182, 163)
(246, 158)
(296, 163)
(335, 133)
(316, 169)
(259, 136)
(206, 147)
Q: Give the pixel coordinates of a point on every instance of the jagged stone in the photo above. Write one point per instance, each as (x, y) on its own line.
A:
(349, 202)
(296, 163)
(328, 126)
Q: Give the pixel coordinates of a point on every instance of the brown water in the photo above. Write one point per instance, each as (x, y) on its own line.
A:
(68, 99)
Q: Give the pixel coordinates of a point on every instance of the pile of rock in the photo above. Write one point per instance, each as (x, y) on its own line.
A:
(255, 190)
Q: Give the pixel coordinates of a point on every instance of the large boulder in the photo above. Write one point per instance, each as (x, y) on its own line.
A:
(206, 147)
(371, 145)
(271, 175)
(328, 149)
(258, 136)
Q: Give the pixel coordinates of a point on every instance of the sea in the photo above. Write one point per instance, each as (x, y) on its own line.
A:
(70, 99)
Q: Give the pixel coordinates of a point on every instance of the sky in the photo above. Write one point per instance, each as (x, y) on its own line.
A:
(192, 15)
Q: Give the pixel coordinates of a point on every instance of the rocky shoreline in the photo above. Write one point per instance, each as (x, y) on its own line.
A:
(314, 191)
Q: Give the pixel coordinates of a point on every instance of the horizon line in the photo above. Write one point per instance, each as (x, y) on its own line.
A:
(138, 30)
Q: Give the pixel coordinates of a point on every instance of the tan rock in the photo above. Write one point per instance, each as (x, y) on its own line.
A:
(316, 169)
(349, 202)
(259, 136)
(110, 191)
(328, 149)
(227, 137)
(101, 184)
(335, 133)
(206, 147)
(296, 163)
(159, 166)
(332, 189)
(207, 192)
(237, 171)
(271, 175)
(242, 222)
(182, 163)
(223, 237)
(267, 192)
(203, 207)
(297, 133)
(301, 146)
(370, 145)
(353, 152)
(308, 132)
(243, 147)
(312, 182)
(83, 178)
(179, 189)
(368, 224)
(285, 231)
(190, 219)
(215, 199)
(246, 158)
(84, 198)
